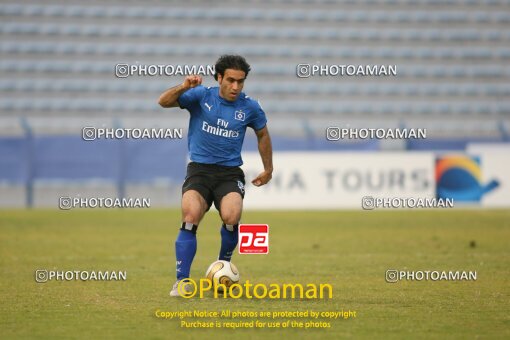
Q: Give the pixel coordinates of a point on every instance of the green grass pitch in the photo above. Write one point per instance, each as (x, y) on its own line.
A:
(351, 250)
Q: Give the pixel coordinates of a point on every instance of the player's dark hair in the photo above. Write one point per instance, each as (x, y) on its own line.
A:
(229, 61)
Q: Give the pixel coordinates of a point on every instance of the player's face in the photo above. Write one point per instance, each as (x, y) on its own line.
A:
(231, 84)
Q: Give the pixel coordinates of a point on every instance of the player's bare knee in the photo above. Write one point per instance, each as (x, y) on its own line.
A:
(190, 217)
(230, 215)
(230, 218)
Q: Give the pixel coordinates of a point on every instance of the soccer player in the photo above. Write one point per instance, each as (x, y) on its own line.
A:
(219, 117)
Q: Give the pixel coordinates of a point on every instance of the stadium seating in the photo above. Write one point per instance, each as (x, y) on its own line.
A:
(451, 56)
(463, 44)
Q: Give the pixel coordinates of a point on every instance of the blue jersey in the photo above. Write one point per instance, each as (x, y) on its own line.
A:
(217, 126)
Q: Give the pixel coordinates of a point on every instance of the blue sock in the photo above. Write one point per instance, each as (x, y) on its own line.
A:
(185, 250)
(228, 242)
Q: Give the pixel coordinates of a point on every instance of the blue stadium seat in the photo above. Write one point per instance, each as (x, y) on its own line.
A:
(433, 45)
(51, 10)
(14, 163)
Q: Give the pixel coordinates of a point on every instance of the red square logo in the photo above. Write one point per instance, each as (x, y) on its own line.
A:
(253, 239)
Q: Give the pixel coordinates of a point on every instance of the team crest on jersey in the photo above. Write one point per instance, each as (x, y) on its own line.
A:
(241, 186)
(239, 115)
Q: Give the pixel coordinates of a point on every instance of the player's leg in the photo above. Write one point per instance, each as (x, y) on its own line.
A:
(194, 207)
(196, 200)
(231, 207)
(228, 199)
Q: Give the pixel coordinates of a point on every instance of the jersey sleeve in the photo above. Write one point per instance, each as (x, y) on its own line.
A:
(191, 97)
(259, 119)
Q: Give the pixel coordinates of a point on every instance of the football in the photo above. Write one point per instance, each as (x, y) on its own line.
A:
(222, 272)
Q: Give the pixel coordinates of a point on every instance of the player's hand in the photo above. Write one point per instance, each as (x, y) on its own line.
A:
(263, 178)
(191, 82)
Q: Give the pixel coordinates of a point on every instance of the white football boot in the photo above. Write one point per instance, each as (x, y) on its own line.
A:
(185, 289)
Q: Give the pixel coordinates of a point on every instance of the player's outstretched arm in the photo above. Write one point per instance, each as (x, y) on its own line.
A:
(170, 96)
(266, 153)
